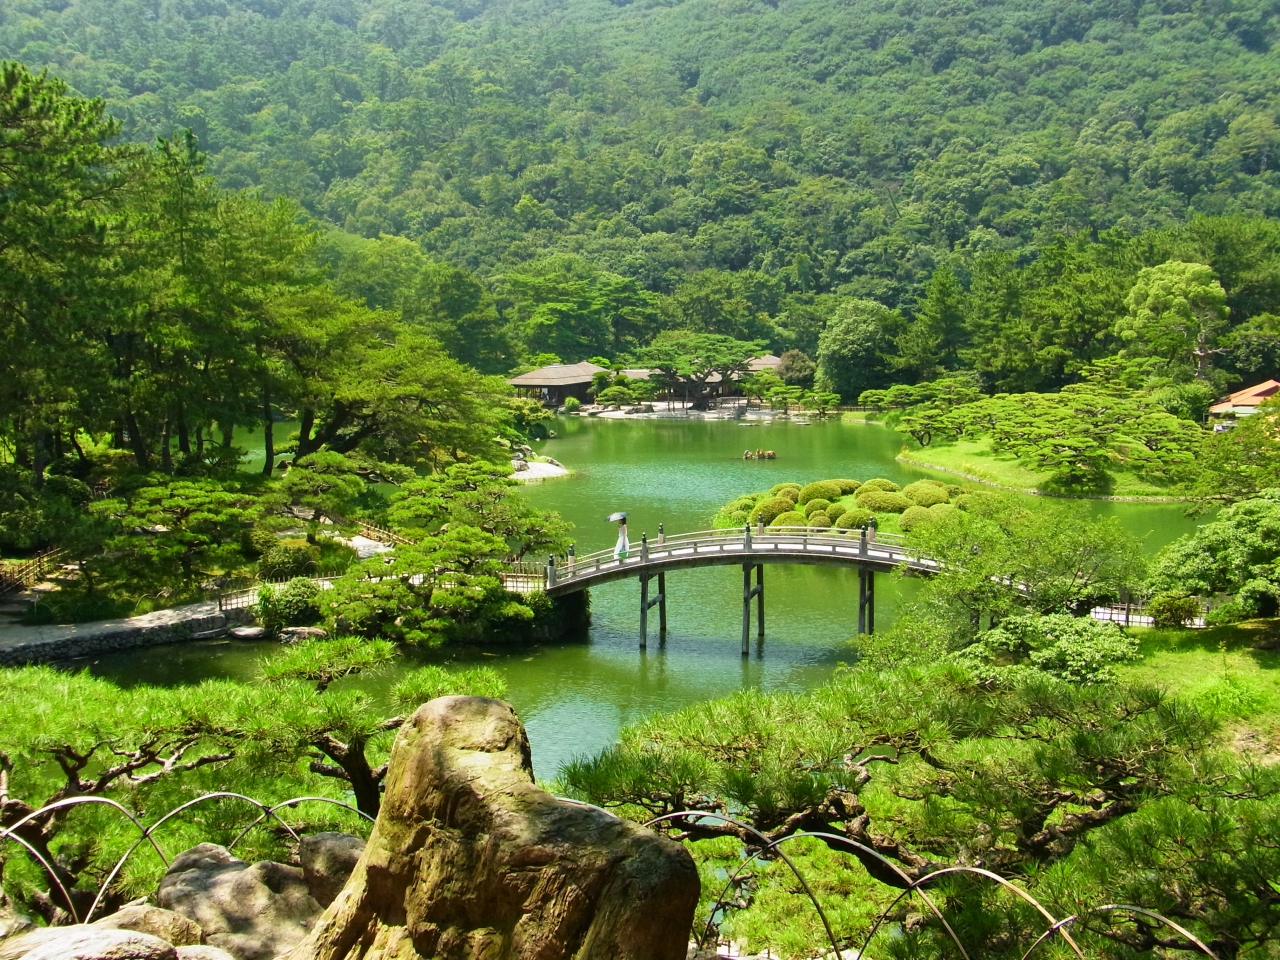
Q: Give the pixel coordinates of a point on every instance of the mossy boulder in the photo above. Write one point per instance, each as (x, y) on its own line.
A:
(818, 520)
(792, 518)
(913, 517)
(766, 510)
(882, 501)
(813, 506)
(925, 493)
(879, 483)
(820, 490)
(853, 519)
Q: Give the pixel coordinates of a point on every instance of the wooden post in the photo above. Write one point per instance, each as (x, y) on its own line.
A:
(662, 537)
(760, 599)
(644, 611)
(871, 601)
(662, 602)
(862, 598)
(746, 536)
(746, 609)
(644, 548)
(572, 559)
(551, 571)
(862, 542)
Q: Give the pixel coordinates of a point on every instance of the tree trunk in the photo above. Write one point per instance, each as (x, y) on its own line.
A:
(184, 436)
(136, 440)
(268, 436)
(306, 423)
(200, 440)
(166, 451)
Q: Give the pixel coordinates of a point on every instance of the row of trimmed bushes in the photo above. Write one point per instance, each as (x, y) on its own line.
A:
(840, 504)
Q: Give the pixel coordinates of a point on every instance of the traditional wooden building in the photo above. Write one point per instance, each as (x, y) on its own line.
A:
(1245, 402)
(557, 382)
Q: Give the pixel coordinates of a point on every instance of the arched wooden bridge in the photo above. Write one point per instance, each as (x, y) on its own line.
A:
(749, 548)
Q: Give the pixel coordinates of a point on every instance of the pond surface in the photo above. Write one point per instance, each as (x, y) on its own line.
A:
(574, 697)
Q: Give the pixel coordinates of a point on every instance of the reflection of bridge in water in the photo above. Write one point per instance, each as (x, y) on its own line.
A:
(749, 548)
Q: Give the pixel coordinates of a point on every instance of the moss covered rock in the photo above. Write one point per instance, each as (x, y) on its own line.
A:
(882, 501)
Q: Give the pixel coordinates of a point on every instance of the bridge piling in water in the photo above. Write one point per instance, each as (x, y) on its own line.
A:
(747, 593)
(647, 602)
(866, 600)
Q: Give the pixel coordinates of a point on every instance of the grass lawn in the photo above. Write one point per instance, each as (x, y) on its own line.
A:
(974, 458)
(1233, 671)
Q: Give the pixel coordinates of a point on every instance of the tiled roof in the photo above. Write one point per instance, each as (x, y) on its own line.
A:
(1248, 397)
(557, 375)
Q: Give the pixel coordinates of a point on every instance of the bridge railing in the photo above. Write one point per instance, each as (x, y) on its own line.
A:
(698, 542)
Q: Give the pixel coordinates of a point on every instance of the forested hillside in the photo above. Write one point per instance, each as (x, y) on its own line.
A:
(806, 147)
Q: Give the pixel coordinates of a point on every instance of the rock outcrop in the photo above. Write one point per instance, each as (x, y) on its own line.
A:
(253, 911)
(87, 942)
(203, 952)
(468, 859)
(165, 924)
(328, 860)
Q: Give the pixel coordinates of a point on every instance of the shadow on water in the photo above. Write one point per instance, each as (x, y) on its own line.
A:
(575, 696)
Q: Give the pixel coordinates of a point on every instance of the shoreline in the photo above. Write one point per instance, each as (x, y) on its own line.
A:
(540, 470)
(902, 458)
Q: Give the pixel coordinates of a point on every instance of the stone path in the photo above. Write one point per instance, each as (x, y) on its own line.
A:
(42, 644)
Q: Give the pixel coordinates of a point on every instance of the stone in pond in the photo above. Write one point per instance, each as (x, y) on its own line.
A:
(165, 924)
(87, 942)
(248, 633)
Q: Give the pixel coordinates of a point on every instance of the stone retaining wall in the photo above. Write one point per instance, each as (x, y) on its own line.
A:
(198, 621)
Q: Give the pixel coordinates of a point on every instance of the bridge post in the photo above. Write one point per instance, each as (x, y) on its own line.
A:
(866, 600)
(759, 599)
(551, 571)
(662, 537)
(644, 548)
(644, 611)
(862, 542)
(746, 536)
(871, 601)
(759, 526)
(746, 608)
(572, 560)
(662, 602)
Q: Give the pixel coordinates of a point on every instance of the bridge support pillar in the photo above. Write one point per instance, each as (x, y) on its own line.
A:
(748, 592)
(866, 600)
(647, 603)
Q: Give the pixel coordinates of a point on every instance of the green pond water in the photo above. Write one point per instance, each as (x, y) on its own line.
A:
(575, 696)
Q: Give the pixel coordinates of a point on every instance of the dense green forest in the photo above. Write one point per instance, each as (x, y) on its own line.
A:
(755, 160)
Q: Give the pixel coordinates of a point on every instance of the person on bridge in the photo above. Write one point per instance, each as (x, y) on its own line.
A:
(623, 546)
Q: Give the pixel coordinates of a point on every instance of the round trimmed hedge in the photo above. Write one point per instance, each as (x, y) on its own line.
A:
(739, 517)
(819, 521)
(789, 493)
(942, 509)
(882, 501)
(813, 506)
(820, 490)
(848, 486)
(879, 483)
(792, 518)
(925, 493)
(853, 519)
(836, 511)
(766, 510)
(777, 488)
(912, 517)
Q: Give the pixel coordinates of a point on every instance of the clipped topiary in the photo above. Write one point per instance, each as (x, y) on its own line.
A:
(942, 509)
(853, 519)
(820, 489)
(925, 493)
(792, 518)
(813, 506)
(882, 501)
(879, 483)
(954, 489)
(777, 488)
(789, 493)
(1172, 609)
(848, 486)
(912, 517)
(836, 511)
(745, 504)
(819, 521)
(288, 559)
(739, 517)
(766, 510)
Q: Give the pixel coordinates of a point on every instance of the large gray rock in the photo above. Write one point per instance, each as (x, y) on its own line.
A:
(165, 924)
(469, 859)
(252, 911)
(327, 862)
(87, 942)
(203, 952)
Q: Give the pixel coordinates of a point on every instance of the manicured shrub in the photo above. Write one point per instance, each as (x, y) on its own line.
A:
(836, 511)
(813, 506)
(880, 483)
(777, 488)
(818, 520)
(296, 604)
(739, 517)
(820, 490)
(261, 540)
(1172, 609)
(766, 510)
(572, 405)
(954, 490)
(941, 509)
(848, 486)
(288, 559)
(1229, 612)
(882, 501)
(853, 519)
(925, 493)
(912, 517)
(745, 504)
(792, 518)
